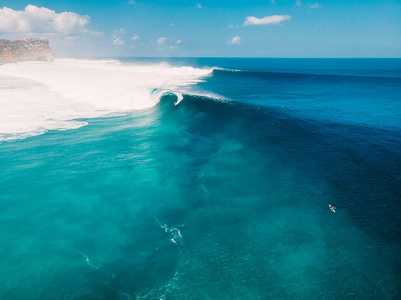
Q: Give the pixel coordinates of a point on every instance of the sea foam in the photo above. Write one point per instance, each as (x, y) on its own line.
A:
(41, 96)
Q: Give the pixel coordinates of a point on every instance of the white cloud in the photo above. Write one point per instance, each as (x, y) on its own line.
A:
(198, 5)
(131, 2)
(132, 47)
(118, 32)
(161, 40)
(173, 47)
(178, 42)
(230, 26)
(234, 40)
(135, 37)
(117, 39)
(266, 20)
(42, 20)
(274, 2)
(298, 3)
(118, 42)
(316, 5)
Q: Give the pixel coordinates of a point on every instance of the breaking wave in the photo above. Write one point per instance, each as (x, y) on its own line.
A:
(42, 96)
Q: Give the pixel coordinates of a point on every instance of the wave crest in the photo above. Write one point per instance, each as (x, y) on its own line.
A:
(46, 94)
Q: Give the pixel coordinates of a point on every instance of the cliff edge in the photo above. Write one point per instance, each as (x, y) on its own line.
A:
(25, 50)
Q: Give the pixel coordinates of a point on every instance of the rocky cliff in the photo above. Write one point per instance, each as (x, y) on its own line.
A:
(25, 50)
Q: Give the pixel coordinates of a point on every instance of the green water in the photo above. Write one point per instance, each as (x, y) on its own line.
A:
(194, 203)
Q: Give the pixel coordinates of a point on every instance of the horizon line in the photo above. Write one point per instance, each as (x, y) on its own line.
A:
(239, 57)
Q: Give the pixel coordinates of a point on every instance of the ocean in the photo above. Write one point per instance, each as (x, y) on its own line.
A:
(108, 190)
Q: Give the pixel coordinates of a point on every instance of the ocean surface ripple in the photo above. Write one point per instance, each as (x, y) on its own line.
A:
(109, 189)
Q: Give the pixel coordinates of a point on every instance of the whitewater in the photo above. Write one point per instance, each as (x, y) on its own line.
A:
(41, 96)
(110, 191)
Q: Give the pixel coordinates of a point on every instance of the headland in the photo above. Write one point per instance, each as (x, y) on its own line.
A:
(25, 50)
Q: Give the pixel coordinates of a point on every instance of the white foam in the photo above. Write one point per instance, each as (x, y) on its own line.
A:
(41, 96)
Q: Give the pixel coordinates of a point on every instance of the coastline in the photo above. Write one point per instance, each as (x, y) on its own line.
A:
(25, 50)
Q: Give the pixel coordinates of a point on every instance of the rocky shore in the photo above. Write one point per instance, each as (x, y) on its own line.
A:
(25, 50)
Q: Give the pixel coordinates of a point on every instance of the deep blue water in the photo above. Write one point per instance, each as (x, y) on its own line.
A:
(224, 196)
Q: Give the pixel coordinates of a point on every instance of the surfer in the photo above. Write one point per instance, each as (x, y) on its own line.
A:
(332, 208)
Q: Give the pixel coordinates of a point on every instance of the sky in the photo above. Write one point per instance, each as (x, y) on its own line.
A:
(207, 28)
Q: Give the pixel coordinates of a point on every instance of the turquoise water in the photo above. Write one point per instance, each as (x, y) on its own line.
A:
(214, 199)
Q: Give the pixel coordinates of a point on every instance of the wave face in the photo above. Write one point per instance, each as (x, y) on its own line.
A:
(38, 96)
(210, 198)
(354, 98)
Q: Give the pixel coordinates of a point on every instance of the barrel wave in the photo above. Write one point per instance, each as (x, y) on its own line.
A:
(223, 196)
(38, 96)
